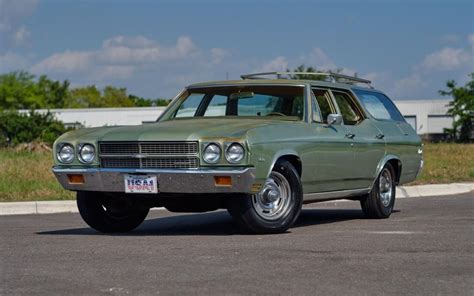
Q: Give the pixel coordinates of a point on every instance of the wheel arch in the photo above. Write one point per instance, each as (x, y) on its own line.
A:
(290, 156)
(396, 164)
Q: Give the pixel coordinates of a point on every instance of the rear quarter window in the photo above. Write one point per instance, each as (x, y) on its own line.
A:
(379, 105)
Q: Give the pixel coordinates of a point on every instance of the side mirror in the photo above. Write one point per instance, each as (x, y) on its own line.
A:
(334, 119)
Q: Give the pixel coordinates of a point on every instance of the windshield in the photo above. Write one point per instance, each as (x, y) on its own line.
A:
(285, 102)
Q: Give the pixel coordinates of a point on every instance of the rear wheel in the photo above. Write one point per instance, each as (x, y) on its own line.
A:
(276, 207)
(379, 203)
(110, 214)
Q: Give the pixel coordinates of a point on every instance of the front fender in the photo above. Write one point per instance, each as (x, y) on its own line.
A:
(264, 157)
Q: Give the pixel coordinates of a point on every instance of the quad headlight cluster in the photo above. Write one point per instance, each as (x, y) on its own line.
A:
(234, 153)
(66, 153)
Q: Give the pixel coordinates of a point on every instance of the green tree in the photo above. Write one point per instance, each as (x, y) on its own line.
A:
(19, 90)
(116, 97)
(143, 102)
(50, 93)
(84, 97)
(16, 128)
(461, 108)
(22, 90)
(303, 68)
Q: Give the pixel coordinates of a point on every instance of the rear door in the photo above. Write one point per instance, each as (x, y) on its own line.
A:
(402, 140)
(367, 145)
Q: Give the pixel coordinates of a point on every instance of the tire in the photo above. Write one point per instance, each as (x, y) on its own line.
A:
(379, 203)
(110, 214)
(276, 207)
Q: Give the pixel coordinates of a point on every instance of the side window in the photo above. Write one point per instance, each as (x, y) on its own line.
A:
(322, 101)
(348, 108)
(379, 105)
(217, 106)
(188, 108)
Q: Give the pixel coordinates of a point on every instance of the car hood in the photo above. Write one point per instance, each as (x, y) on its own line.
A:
(174, 130)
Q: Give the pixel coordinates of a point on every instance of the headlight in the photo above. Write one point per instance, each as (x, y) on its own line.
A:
(234, 153)
(86, 153)
(65, 153)
(212, 153)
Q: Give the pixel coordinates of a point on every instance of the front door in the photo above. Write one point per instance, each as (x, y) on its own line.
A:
(367, 143)
(328, 161)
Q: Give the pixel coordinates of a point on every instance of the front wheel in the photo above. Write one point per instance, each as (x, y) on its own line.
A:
(108, 213)
(379, 203)
(276, 207)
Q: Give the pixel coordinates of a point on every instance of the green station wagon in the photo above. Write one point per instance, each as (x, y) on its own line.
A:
(258, 147)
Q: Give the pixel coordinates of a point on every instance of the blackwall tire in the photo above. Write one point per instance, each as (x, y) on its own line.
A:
(276, 207)
(379, 203)
(110, 214)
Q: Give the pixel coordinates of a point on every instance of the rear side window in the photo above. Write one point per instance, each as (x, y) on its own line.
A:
(350, 113)
(379, 105)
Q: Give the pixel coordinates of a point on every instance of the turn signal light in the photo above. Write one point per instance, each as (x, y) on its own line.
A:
(75, 179)
(223, 180)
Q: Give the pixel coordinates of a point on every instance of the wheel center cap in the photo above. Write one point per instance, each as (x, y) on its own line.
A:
(272, 195)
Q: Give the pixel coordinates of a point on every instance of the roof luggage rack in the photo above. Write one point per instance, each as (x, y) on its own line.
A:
(331, 77)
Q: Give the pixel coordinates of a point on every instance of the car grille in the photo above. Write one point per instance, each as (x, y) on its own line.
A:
(149, 155)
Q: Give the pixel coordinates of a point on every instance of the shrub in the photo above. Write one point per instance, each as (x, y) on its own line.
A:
(16, 128)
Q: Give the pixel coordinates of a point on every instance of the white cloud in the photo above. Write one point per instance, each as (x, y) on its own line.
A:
(316, 58)
(427, 77)
(153, 68)
(407, 86)
(65, 62)
(119, 72)
(140, 50)
(12, 13)
(21, 35)
(447, 59)
(319, 59)
(133, 42)
(118, 57)
(470, 39)
(12, 62)
(279, 63)
(219, 54)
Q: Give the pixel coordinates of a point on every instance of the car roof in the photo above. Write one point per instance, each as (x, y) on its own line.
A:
(314, 83)
(325, 79)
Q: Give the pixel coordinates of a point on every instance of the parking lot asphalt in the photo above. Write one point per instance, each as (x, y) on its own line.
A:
(426, 247)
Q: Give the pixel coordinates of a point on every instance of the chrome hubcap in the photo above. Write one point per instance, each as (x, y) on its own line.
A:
(385, 187)
(274, 200)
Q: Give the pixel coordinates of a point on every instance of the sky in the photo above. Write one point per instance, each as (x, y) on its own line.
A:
(409, 49)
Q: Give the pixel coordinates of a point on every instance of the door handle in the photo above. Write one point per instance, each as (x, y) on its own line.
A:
(380, 136)
(350, 136)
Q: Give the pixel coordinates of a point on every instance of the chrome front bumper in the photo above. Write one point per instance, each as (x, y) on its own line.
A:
(170, 181)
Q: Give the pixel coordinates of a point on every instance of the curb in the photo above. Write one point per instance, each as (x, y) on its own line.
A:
(69, 206)
(38, 207)
(433, 190)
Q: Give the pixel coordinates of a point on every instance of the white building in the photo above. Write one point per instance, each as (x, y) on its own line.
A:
(428, 117)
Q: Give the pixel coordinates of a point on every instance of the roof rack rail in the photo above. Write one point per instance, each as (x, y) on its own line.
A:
(333, 77)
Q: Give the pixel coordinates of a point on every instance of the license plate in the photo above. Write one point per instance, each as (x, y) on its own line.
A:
(140, 184)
